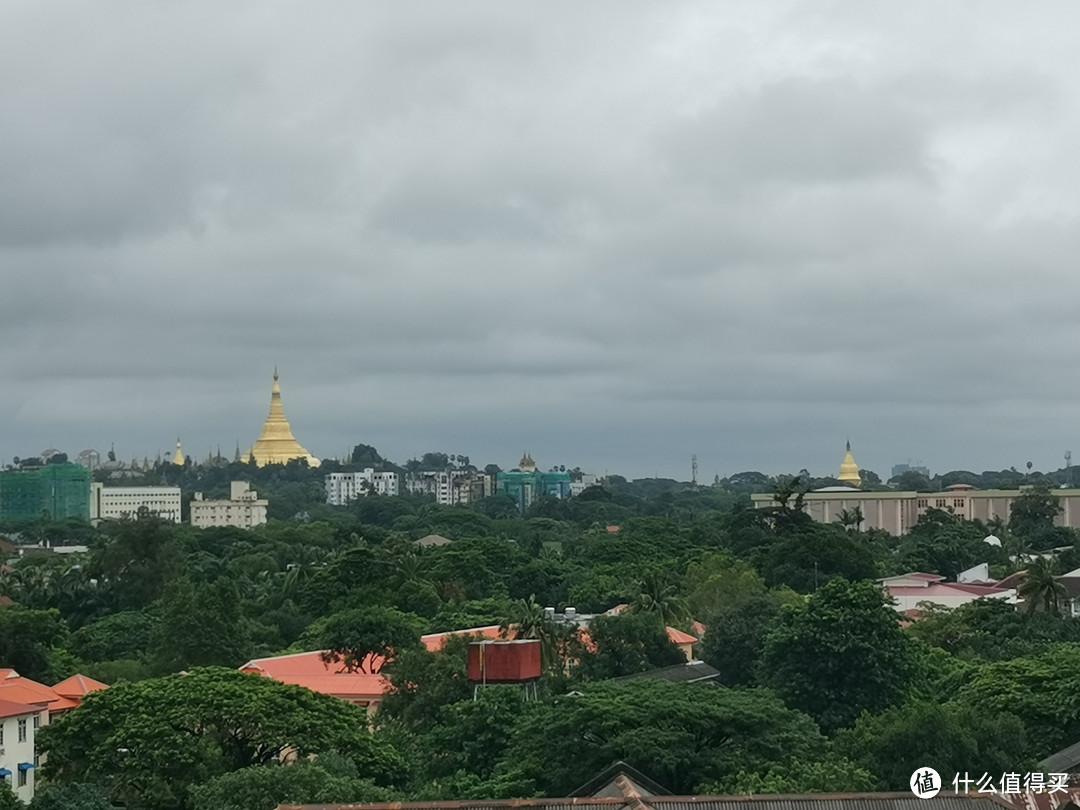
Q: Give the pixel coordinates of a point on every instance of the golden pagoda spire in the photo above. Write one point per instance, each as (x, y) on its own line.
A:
(178, 457)
(849, 470)
(276, 444)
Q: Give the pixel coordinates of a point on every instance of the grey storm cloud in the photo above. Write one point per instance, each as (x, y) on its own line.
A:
(615, 234)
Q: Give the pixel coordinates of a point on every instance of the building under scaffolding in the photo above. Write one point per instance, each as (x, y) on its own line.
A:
(54, 491)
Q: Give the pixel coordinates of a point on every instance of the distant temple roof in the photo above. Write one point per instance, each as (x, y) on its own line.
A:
(277, 445)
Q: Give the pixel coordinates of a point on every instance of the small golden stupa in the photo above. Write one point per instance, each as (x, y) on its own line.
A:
(849, 470)
(178, 457)
(277, 445)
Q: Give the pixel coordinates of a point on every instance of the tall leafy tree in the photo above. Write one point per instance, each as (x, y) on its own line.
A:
(200, 626)
(840, 653)
(29, 639)
(146, 744)
(625, 644)
(954, 737)
(683, 735)
(362, 638)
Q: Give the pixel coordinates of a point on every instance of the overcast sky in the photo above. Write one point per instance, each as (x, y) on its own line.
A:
(613, 234)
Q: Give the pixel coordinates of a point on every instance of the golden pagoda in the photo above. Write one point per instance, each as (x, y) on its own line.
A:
(277, 445)
(178, 457)
(849, 470)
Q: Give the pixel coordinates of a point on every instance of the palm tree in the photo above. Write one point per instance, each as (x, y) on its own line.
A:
(1041, 588)
(657, 595)
(528, 620)
(850, 519)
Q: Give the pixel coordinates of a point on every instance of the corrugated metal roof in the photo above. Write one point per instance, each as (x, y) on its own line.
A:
(820, 801)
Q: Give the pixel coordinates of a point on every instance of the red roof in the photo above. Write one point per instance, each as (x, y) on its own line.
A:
(944, 589)
(698, 628)
(679, 637)
(9, 708)
(78, 686)
(16, 688)
(309, 670)
(436, 641)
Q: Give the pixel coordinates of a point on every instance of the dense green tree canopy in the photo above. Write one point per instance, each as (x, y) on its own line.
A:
(146, 744)
(681, 735)
(839, 654)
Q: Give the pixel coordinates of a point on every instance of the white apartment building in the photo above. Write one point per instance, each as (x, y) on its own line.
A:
(18, 722)
(451, 487)
(117, 503)
(344, 487)
(587, 480)
(243, 509)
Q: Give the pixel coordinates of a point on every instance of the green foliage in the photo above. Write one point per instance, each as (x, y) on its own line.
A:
(423, 683)
(682, 735)
(735, 639)
(839, 654)
(955, 738)
(944, 544)
(1040, 589)
(1041, 690)
(136, 561)
(263, 787)
(200, 626)
(8, 799)
(993, 630)
(625, 644)
(831, 775)
(806, 555)
(354, 637)
(146, 744)
(472, 736)
(120, 635)
(718, 582)
(1032, 514)
(69, 796)
(28, 640)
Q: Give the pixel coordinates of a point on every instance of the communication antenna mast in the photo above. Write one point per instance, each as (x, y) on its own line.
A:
(1068, 468)
(693, 469)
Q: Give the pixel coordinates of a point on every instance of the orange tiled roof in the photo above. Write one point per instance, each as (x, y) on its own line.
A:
(9, 708)
(307, 669)
(78, 686)
(16, 688)
(436, 641)
(679, 637)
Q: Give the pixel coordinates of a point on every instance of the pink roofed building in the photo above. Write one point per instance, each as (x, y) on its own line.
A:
(909, 591)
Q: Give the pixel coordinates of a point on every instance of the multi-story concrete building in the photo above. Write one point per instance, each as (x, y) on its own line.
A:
(450, 487)
(55, 490)
(527, 483)
(117, 503)
(897, 512)
(344, 487)
(243, 509)
(18, 722)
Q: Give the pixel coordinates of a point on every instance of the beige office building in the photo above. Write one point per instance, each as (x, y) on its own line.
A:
(243, 509)
(897, 512)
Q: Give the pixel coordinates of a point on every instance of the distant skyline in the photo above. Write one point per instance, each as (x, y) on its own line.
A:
(614, 234)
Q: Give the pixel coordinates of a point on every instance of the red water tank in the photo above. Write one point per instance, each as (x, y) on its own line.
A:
(504, 661)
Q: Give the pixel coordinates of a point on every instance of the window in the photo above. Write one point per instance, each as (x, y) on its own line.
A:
(37, 722)
(958, 503)
(1, 734)
(22, 777)
(22, 729)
